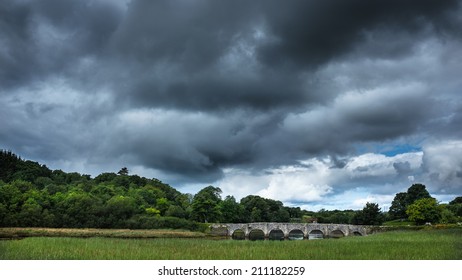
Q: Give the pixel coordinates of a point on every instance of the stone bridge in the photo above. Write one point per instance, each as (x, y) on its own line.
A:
(279, 231)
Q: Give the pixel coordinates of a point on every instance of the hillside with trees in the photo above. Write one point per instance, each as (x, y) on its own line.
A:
(32, 195)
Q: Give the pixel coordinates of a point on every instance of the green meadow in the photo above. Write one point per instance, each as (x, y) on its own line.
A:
(441, 244)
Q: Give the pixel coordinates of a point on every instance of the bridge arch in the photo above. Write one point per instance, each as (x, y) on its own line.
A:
(337, 233)
(238, 234)
(358, 230)
(316, 234)
(276, 234)
(256, 234)
(297, 230)
(296, 234)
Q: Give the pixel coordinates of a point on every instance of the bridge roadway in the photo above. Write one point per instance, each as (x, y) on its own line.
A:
(290, 230)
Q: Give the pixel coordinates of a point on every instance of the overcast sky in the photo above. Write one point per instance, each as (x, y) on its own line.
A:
(320, 104)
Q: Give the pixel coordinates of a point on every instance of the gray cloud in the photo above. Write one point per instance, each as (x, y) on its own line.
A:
(310, 33)
(403, 168)
(194, 89)
(48, 38)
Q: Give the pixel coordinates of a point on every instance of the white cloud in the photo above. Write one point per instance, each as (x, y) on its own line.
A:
(304, 183)
(380, 165)
(315, 182)
(384, 201)
(240, 183)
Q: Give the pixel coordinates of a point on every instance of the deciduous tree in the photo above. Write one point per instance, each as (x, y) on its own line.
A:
(402, 200)
(205, 205)
(398, 206)
(123, 171)
(424, 210)
(231, 210)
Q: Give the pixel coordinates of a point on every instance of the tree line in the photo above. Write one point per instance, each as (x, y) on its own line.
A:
(418, 206)
(32, 195)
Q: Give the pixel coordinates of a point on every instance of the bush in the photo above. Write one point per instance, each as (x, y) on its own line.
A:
(156, 222)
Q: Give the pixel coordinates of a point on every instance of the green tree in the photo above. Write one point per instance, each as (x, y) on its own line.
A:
(31, 214)
(151, 211)
(151, 194)
(123, 171)
(424, 210)
(455, 206)
(3, 213)
(398, 206)
(42, 182)
(122, 181)
(370, 215)
(402, 200)
(256, 208)
(162, 204)
(335, 216)
(259, 209)
(205, 205)
(256, 215)
(119, 209)
(185, 201)
(9, 164)
(295, 213)
(77, 209)
(29, 171)
(175, 211)
(105, 177)
(231, 210)
(281, 215)
(11, 197)
(457, 200)
(276, 211)
(447, 216)
(416, 192)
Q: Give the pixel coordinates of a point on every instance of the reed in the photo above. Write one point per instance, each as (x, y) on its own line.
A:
(444, 244)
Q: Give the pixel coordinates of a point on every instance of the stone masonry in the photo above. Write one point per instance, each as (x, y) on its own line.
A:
(327, 230)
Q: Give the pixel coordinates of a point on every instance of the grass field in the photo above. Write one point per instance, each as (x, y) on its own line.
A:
(443, 244)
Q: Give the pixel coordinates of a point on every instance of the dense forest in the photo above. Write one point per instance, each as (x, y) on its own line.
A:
(32, 195)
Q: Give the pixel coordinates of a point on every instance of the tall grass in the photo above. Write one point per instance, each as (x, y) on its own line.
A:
(399, 245)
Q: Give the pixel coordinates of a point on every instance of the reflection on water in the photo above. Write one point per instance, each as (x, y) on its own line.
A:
(315, 236)
(296, 235)
(256, 234)
(238, 235)
(276, 234)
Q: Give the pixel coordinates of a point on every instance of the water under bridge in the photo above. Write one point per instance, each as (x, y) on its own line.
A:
(294, 231)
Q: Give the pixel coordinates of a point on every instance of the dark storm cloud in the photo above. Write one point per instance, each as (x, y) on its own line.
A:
(193, 33)
(194, 144)
(309, 33)
(211, 93)
(43, 38)
(247, 84)
(189, 41)
(16, 49)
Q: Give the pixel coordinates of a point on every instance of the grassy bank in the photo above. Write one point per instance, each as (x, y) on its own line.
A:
(398, 245)
(11, 233)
